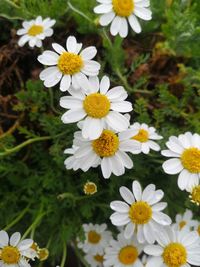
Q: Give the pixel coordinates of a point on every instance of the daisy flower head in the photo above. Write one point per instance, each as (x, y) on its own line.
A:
(123, 252)
(120, 13)
(185, 220)
(99, 107)
(174, 249)
(97, 238)
(145, 135)
(141, 212)
(185, 153)
(69, 66)
(95, 260)
(90, 188)
(35, 31)
(108, 151)
(14, 251)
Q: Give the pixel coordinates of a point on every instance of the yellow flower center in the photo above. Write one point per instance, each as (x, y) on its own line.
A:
(107, 144)
(198, 229)
(10, 255)
(70, 63)
(140, 212)
(94, 237)
(43, 254)
(99, 258)
(123, 8)
(128, 255)
(35, 30)
(142, 136)
(175, 255)
(96, 105)
(182, 224)
(90, 188)
(190, 159)
(195, 195)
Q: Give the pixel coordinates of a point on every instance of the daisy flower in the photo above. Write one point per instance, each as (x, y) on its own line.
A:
(174, 249)
(194, 191)
(108, 151)
(35, 31)
(123, 252)
(90, 188)
(95, 260)
(185, 220)
(145, 134)
(96, 238)
(14, 251)
(185, 150)
(69, 67)
(122, 12)
(99, 107)
(140, 212)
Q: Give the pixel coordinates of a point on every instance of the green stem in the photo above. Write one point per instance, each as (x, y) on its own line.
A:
(64, 257)
(52, 102)
(17, 219)
(79, 12)
(105, 35)
(34, 224)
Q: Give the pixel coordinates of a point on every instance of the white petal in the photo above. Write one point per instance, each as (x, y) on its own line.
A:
(137, 190)
(122, 106)
(104, 85)
(117, 121)
(172, 166)
(143, 13)
(71, 44)
(115, 26)
(104, 8)
(15, 238)
(123, 32)
(159, 206)
(161, 218)
(153, 250)
(92, 128)
(89, 53)
(155, 262)
(127, 195)
(106, 19)
(58, 48)
(48, 58)
(119, 206)
(183, 179)
(3, 238)
(69, 102)
(105, 168)
(135, 25)
(129, 230)
(65, 83)
(73, 116)
(24, 244)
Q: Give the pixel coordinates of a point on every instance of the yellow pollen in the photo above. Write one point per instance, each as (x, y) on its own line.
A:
(99, 258)
(43, 254)
(142, 136)
(10, 255)
(35, 30)
(94, 237)
(140, 212)
(107, 144)
(182, 224)
(35, 246)
(128, 255)
(90, 188)
(70, 63)
(123, 8)
(198, 229)
(96, 105)
(190, 159)
(175, 255)
(195, 195)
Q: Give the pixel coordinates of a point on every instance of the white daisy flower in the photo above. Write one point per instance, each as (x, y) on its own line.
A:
(174, 249)
(185, 220)
(145, 134)
(123, 252)
(122, 12)
(99, 107)
(194, 191)
(14, 251)
(108, 151)
(35, 31)
(70, 66)
(96, 238)
(95, 260)
(185, 150)
(141, 212)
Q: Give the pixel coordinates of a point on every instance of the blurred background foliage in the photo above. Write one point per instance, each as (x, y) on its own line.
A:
(160, 69)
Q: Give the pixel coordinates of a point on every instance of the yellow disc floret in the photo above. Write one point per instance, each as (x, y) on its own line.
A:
(142, 136)
(175, 255)
(140, 212)
(107, 144)
(70, 63)
(43, 254)
(94, 237)
(123, 8)
(190, 159)
(35, 30)
(195, 195)
(10, 255)
(182, 224)
(128, 255)
(96, 105)
(90, 188)
(99, 258)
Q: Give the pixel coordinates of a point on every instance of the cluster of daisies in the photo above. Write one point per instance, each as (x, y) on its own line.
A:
(146, 237)
(15, 252)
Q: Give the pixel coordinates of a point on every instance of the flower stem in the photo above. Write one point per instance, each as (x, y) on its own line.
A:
(64, 257)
